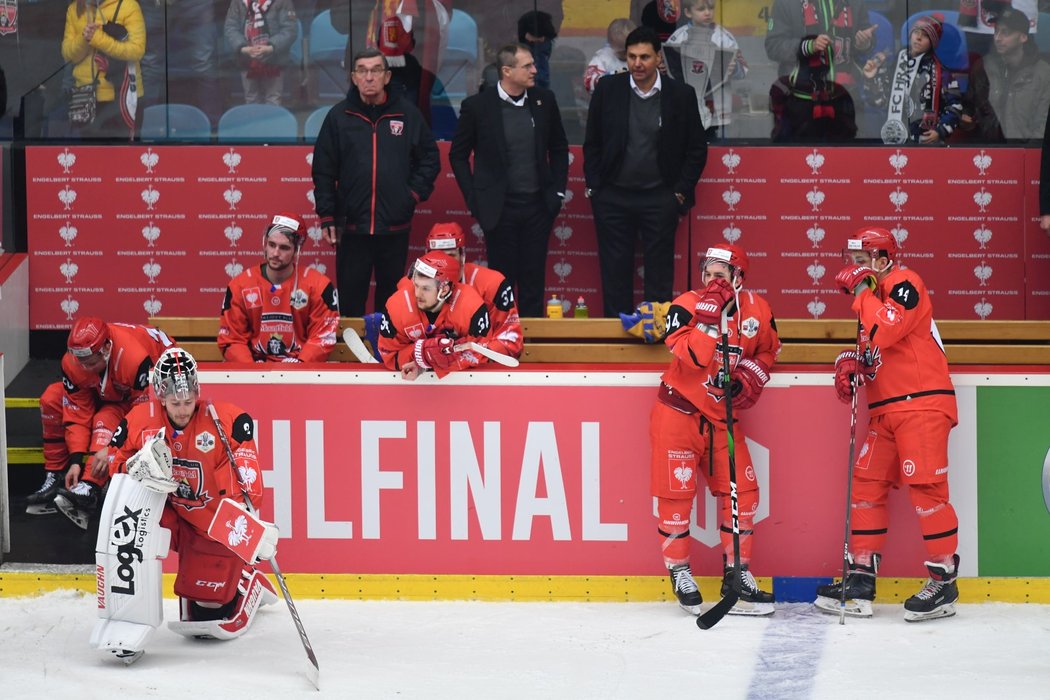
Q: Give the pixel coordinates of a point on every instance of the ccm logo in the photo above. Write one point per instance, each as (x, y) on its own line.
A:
(214, 585)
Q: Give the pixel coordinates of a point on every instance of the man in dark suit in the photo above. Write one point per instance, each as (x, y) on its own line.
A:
(642, 157)
(521, 166)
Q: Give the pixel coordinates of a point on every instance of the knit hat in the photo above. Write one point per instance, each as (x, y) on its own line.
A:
(932, 26)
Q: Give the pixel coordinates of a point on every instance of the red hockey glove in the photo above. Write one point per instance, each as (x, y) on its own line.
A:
(851, 277)
(752, 376)
(846, 373)
(434, 353)
(716, 297)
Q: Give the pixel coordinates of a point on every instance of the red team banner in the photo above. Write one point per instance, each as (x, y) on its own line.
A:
(128, 232)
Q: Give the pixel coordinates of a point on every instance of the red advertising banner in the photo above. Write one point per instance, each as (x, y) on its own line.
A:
(128, 232)
(366, 477)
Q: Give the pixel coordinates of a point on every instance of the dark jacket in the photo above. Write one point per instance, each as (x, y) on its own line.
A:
(389, 145)
(1009, 103)
(480, 131)
(682, 151)
(791, 24)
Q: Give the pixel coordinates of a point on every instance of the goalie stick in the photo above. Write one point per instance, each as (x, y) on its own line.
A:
(313, 672)
(712, 617)
(497, 357)
(357, 346)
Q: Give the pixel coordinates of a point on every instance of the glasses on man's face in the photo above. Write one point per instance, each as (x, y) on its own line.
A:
(527, 66)
(362, 71)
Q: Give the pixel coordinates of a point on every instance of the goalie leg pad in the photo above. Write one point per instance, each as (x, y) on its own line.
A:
(208, 571)
(131, 542)
(253, 591)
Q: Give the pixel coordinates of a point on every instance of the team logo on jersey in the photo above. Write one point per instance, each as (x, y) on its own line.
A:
(749, 327)
(150, 433)
(252, 298)
(189, 474)
(909, 468)
(397, 127)
(299, 299)
(275, 345)
(416, 331)
(205, 441)
(697, 68)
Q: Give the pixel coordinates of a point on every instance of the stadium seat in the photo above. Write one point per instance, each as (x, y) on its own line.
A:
(1042, 35)
(175, 122)
(327, 53)
(459, 62)
(884, 40)
(952, 51)
(313, 123)
(258, 123)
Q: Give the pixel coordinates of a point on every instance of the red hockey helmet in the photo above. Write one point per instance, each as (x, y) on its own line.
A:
(877, 241)
(448, 236)
(87, 337)
(438, 266)
(727, 253)
(288, 224)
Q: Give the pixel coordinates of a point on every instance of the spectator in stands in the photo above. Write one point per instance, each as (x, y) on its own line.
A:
(277, 312)
(1009, 90)
(260, 33)
(194, 30)
(643, 155)
(611, 58)
(516, 184)
(371, 137)
(536, 30)
(662, 17)
(104, 41)
(707, 56)
(105, 371)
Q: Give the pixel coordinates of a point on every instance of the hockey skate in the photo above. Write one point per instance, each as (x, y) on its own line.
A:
(78, 503)
(860, 590)
(752, 600)
(128, 657)
(42, 501)
(937, 598)
(228, 621)
(685, 589)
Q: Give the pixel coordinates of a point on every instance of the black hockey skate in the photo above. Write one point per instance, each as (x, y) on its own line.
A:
(860, 590)
(41, 501)
(78, 503)
(685, 589)
(752, 600)
(937, 598)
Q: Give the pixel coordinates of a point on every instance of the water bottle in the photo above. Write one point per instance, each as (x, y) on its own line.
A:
(554, 307)
(581, 309)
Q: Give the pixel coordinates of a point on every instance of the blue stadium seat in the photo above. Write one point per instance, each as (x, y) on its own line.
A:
(313, 123)
(952, 51)
(175, 122)
(459, 61)
(884, 40)
(295, 51)
(258, 123)
(1042, 36)
(327, 52)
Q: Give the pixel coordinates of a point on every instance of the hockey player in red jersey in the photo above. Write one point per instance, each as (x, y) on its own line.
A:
(423, 327)
(911, 402)
(178, 472)
(505, 336)
(687, 426)
(277, 312)
(105, 371)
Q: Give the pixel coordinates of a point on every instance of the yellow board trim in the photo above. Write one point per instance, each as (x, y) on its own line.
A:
(603, 589)
(12, 402)
(25, 455)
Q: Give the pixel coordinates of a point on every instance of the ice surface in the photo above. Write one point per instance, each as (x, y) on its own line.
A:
(463, 650)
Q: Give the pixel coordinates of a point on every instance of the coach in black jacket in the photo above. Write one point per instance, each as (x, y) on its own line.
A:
(373, 136)
(521, 166)
(642, 157)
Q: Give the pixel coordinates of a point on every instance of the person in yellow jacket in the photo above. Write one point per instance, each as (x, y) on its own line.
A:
(104, 40)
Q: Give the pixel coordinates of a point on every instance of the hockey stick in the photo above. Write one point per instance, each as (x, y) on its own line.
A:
(313, 673)
(849, 478)
(712, 617)
(498, 357)
(357, 346)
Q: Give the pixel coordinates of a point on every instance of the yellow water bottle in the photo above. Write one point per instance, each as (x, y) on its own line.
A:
(581, 309)
(554, 307)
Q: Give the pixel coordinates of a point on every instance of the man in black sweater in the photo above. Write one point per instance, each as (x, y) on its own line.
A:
(642, 157)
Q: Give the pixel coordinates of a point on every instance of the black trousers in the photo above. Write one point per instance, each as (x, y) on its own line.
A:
(357, 256)
(517, 247)
(620, 216)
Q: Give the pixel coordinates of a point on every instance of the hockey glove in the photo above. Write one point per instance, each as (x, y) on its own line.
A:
(716, 297)
(243, 532)
(752, 377)
(152, 466)
(434, 353)
(847, 375)
(851, 277)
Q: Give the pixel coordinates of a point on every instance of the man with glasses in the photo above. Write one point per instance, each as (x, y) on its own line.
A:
(521, 165)
(374, 160)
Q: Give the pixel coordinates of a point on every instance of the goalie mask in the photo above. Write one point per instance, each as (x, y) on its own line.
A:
(732, 256)
(175, 374)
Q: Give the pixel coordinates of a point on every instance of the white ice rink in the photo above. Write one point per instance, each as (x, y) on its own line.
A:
(467, 650)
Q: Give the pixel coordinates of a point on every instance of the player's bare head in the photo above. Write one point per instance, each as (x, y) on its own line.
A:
(90, 343)
(699, 11)
(448, 238)
(873, 247)
(725, 261)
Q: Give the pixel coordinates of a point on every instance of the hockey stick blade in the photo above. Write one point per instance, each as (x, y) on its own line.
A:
(497, 357)
(713, 616)
(357, 346)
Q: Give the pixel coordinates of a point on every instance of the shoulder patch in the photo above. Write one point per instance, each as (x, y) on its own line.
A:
(120, 434)
(905, 294)
(480, 324)
(68, 384)
(227, 299)
(331, 297)
(505, 300)
(142, 374)
(677, 318)
(243, 428)
(386, 328)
